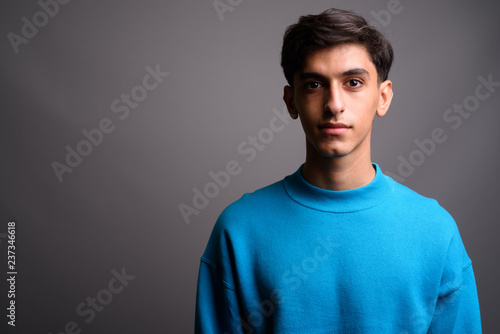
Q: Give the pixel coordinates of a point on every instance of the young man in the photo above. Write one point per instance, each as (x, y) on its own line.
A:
(336, 247)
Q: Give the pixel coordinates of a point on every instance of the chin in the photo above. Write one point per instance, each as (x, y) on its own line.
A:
(333, 152)
(335, 155)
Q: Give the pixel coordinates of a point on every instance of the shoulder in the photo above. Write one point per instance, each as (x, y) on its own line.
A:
(417, 202)
(424, 213)
(435, 225)
(241, 219)
(252, 204)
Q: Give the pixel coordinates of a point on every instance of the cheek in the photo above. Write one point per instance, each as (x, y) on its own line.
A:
(364, 109)
(309, 110)
(305, 122)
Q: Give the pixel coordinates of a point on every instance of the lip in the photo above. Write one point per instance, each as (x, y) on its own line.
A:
(333, 128)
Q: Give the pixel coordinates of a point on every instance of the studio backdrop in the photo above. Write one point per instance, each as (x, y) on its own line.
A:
(128, 126)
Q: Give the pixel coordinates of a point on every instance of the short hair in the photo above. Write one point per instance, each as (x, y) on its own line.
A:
(330, 28)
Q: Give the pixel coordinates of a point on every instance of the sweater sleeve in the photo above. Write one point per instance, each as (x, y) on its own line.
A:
(210, 305)
(468, 316)
(458, 310)
(216, 303)
(457, 306)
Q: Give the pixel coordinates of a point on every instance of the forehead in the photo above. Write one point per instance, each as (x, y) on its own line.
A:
(338, 59)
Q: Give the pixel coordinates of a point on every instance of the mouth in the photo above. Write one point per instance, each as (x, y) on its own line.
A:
(333, 128)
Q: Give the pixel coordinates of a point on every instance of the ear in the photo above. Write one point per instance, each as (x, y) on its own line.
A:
(288, 98)
(385, 97)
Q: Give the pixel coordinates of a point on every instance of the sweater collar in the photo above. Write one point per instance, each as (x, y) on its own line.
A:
(351, 200)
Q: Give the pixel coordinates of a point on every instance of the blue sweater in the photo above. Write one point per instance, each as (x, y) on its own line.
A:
(295, 258)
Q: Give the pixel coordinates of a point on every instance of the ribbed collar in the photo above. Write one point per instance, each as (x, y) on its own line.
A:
(351, 200)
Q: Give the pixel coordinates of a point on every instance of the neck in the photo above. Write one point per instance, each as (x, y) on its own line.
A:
(352, 171)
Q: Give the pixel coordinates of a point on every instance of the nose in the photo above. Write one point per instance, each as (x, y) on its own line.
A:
(334, 102)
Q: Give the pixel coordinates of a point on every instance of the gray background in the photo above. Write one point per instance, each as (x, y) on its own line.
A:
(119, 207)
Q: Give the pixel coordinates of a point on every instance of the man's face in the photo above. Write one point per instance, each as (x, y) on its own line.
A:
(336, 95)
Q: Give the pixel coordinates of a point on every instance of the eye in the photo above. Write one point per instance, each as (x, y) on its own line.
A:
(354, 83)
(313, 85)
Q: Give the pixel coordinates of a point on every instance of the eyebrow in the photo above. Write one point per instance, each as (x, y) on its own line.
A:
(316, 75)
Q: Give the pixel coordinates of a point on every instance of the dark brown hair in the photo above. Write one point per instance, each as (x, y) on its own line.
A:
(330, 28)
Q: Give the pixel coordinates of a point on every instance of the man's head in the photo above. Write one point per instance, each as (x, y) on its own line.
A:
(337, 69)
(330, 28)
